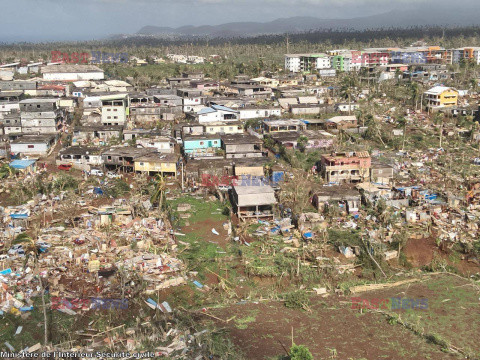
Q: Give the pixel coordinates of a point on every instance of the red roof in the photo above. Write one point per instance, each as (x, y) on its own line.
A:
(52, 87)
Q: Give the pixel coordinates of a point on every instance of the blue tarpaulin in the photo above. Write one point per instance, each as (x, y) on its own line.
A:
(277, 176)
(22, 164)
(6, 271)
(152, 302)
(97, 191)
(19, 216)
(197, 284)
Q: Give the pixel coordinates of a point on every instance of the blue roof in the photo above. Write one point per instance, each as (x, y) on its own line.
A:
(224, 108)
(22, 164)
(206, 111)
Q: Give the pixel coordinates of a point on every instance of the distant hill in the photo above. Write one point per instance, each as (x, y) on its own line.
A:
(462, 16)
(278, 26)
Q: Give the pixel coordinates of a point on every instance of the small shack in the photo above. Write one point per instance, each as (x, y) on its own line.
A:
(253, 202)
(24, 165)
(346, 198)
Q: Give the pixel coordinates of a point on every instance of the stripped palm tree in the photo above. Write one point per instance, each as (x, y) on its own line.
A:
(28, 245)
(159, 192)
(347, 89)
(414, 91)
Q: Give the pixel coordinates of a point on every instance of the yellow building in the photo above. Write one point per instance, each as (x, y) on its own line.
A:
(273, 83)
(287, 81)
(165, 164)
(441, 96)
(234, 127)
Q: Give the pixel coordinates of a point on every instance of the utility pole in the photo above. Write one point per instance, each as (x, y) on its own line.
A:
(182, 177)
(288, 45)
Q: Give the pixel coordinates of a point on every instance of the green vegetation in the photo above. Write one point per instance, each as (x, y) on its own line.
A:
(242, 323)
(297, 300)
(300, 352)
(117, 188)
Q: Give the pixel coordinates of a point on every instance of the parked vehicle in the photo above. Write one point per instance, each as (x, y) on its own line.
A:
(65, 167)
(96, 172)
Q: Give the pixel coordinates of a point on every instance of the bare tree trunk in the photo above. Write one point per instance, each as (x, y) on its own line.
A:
(373, 259)
(441, 134)
(219, 193)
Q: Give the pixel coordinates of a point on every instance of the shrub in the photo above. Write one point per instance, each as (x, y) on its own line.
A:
(300, 352)
(297, 300)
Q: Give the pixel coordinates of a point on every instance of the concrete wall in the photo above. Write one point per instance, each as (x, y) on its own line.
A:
(37, 149)
(74, 76)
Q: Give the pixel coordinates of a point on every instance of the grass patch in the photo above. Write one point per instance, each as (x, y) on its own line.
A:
(242, 323)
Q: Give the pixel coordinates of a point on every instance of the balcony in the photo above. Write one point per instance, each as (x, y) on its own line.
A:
(343, 167)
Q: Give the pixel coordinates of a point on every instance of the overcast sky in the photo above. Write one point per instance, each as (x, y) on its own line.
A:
(40, 20)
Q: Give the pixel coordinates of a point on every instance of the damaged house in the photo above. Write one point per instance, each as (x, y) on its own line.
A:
(272, 126)
(202, 146)
(123, 158)
(346, 198)
(341, 122)
(242, 146)
(157, 163)
(162, 144)
(80, 157)
(347, 167)
(315, 139)
(98, 134)
(253, 202)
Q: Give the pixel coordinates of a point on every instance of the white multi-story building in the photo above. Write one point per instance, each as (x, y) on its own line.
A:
(472, 53)
(114, 109)
(347, 64)
(307, 62)
(323, 62)
(292, 63)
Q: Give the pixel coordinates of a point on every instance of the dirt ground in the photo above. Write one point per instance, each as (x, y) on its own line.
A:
(421, 252)
(453, 308)
(330, 332)
(203, 229)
